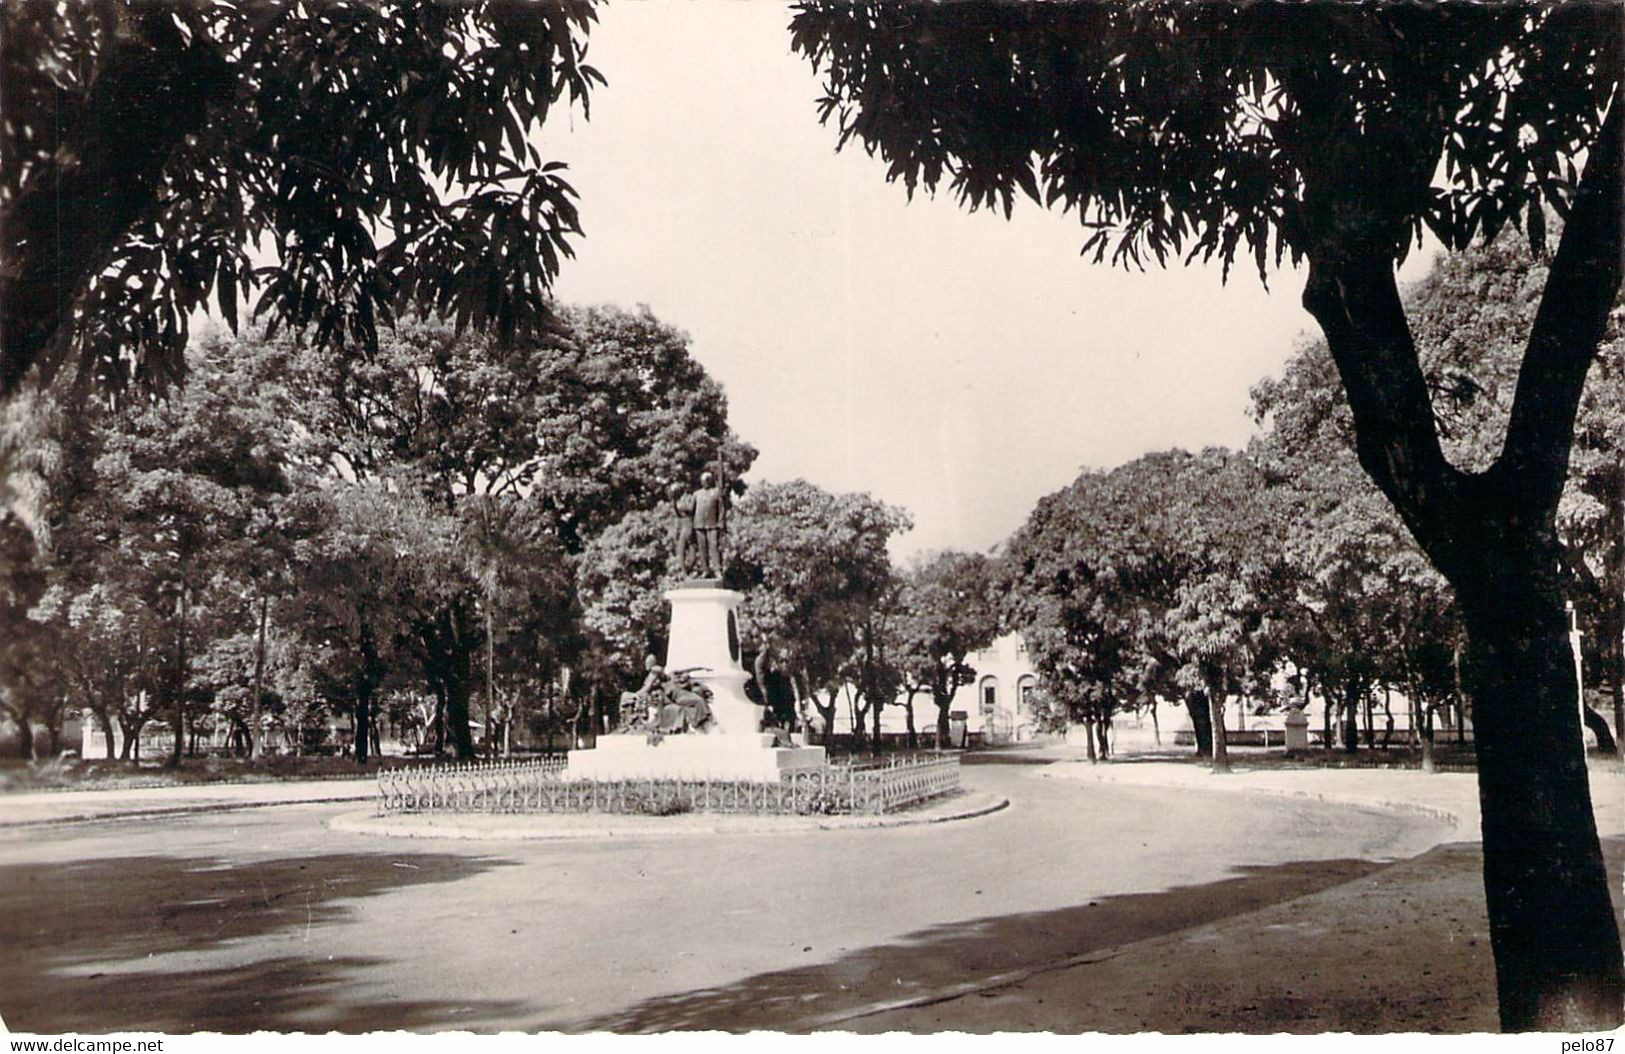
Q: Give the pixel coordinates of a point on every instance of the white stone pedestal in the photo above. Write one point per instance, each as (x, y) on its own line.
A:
(1297, 730)
(691, 756)
(704, 643)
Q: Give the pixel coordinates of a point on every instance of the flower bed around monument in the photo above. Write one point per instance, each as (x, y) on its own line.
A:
(540, 787)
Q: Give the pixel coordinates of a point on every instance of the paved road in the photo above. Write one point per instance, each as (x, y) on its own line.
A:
(267, 919)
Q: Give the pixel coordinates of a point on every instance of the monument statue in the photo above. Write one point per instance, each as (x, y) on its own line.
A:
(710, 521)
(666, 703)
(682, 527)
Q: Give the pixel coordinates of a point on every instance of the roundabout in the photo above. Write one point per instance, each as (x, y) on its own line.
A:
(286, 918)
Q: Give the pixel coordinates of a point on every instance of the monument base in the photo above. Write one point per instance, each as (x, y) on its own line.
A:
(691, 756)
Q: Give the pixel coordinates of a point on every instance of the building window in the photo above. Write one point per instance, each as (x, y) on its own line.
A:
(1024, 691)
(990, 696)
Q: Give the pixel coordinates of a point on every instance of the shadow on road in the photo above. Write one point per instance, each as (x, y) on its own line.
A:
(923, 963)
(115, 944)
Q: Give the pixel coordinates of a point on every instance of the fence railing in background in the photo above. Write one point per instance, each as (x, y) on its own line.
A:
(540, 786)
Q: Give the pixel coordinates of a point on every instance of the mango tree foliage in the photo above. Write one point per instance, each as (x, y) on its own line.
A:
(815, 571)
(1335, 134)
(1362, 606)
(949, 610)
(1155, 578)
(385, 156)
(528, 452)
(162, 506)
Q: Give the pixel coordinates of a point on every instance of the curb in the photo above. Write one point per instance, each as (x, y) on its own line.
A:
(173, 810)
(525, 827)
(1457, 822)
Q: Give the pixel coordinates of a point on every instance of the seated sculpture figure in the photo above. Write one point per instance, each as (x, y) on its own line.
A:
(666, 703)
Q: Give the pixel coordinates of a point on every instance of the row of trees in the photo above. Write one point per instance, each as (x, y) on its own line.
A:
(1198, 576)
(447, 528)
(288, 529)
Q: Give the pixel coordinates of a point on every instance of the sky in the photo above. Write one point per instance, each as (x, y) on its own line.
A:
(954, 363)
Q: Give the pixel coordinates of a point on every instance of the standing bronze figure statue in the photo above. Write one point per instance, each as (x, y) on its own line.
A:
(699, 519)
(710, 521)
(682, 527)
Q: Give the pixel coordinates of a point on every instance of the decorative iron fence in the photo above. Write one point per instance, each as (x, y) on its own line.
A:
(539, 786)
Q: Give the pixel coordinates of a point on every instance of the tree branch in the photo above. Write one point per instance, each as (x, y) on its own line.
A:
(1580, 290)
(1353, 294)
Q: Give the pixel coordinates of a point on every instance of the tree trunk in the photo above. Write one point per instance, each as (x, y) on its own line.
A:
(458, 691)
(1460, 700)
(53, 730)
(1599, 728)
(107, 733)
(439, 717)
(177, 721)
(908, 717)
(1089, 736)
(1201, 723)
(1615, 584)
(1429, 765)
(25, 735)
(1557, 950)
(1328, 741)
(1352, 691)
(1221, 752)
(1156, 729)
(363, 724)
(256, 749)
(1102, 726)
(490, 680)
(944, 725)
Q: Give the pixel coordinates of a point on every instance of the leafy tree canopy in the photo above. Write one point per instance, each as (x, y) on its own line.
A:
(1214, 129)
(385, 156)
